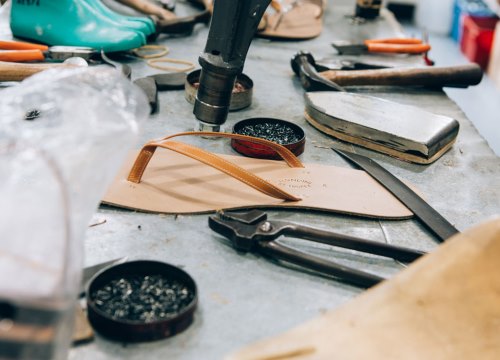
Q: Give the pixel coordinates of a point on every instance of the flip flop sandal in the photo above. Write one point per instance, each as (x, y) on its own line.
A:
(189, 180)
(292, 20)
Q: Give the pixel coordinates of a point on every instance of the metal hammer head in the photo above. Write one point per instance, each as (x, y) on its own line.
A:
(303, 65)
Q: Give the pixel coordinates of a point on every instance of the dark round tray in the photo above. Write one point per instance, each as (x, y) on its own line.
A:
(239, 100)
(261, 151)
(136, 331)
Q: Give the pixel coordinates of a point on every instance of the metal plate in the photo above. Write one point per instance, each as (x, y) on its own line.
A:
(407, 129)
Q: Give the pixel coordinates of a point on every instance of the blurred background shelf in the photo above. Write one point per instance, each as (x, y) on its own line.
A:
(493, 5)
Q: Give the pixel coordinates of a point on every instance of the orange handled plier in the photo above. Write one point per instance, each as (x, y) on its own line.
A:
(18, 51)
(395, 45)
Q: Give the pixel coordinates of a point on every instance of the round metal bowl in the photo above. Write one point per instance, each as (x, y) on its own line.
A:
(250, 149)
(137, 330)
(239, 99)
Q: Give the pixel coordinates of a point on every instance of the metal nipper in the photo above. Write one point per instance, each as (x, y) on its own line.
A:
(252, 231)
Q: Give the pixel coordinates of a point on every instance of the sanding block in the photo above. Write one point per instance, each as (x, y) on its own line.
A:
(402, 131)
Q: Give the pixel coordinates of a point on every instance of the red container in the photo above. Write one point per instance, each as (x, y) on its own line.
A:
(261, 151)
(477, 37)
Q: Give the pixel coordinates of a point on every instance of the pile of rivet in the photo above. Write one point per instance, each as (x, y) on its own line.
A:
(276, 132)
(142, 298)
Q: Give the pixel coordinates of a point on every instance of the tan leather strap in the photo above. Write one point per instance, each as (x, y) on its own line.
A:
(215, 161)
(283, 9)
(282, 151)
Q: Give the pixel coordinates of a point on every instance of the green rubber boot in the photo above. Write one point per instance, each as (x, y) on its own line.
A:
(71, 23)
(146, 25)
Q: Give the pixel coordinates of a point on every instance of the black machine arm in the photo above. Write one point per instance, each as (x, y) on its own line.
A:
(233, 26)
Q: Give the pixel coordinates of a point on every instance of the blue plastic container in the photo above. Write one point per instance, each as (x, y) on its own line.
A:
(476, 8)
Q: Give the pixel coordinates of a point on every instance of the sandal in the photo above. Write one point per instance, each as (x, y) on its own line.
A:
(180, 182)
(292, 19)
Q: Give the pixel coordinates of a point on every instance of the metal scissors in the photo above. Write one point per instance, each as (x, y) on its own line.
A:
(18, 51)
(390, 45)
(253, 231)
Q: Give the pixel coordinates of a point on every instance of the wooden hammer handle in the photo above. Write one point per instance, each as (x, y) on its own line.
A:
(16, 72)
(461, 76)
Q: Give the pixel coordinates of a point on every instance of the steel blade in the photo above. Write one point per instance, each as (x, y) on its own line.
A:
(423, 211)
(344, 48)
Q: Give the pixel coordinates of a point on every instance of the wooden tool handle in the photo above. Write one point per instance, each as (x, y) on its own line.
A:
(460, 76)
(17, 72)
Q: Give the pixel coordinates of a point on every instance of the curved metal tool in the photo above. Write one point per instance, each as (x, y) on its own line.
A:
(125, 69)
(252, 231)
(304, 66)
(451, 76)
(232, 29)
(423, 211)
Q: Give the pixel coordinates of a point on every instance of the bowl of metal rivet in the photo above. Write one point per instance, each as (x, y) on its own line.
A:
(241, 96)
(141, 300)
(282, 132)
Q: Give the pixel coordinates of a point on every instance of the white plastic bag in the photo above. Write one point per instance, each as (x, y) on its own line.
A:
(63, 136)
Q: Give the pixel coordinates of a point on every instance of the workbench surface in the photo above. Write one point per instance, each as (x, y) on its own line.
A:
(243, 298)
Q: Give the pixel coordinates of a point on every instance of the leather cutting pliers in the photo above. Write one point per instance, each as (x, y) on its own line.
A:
(252, 231)
(17, 51)
(396, 45)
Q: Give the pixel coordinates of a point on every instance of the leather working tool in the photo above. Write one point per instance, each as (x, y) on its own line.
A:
(444, 306)
(304, 66)
(406, 132)
(348, 64)
(423, 211)
(17, 51)
(252, 231)
(397, 45)
(233, 26)
(241, 96)
(452, 76)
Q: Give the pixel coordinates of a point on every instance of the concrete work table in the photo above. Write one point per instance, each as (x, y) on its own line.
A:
(244, 298)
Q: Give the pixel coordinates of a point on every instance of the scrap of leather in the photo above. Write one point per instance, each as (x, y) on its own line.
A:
(175, 183)
(444, 306)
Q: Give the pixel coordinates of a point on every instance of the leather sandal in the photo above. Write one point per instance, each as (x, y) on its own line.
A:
(187, 179)
(292, 20)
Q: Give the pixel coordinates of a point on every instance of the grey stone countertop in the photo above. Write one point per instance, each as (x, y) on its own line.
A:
(243, 298)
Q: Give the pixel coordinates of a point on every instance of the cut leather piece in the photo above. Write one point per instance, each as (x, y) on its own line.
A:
(293, 19)
(444, 306)
(171, 182)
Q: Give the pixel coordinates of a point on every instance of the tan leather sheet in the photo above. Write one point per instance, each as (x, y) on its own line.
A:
(173, 183)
